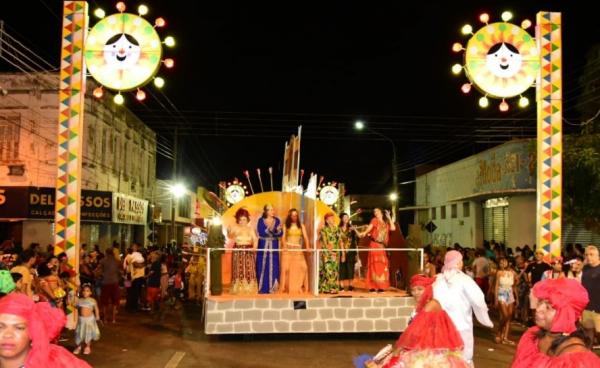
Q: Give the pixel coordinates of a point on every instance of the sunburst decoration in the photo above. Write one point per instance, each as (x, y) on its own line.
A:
(501, 59)
(123, 52)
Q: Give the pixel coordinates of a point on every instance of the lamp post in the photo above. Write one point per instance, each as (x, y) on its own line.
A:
(177, 191)
(360, 125)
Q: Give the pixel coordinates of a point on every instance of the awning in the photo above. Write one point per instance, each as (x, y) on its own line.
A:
(492, 194)
(413, 208)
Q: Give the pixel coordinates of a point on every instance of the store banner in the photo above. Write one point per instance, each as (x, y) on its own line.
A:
(38, 203)
(13, 202)
(129, 210)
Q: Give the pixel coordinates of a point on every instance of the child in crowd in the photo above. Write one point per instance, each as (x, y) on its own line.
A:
(87, 327)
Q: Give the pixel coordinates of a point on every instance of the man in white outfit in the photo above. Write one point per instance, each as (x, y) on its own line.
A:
(460, 296)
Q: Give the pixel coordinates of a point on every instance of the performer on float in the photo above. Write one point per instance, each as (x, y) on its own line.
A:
(460, 296)
(350, 244)
(294, 270)
(558, 339)
(331, 252)
(378, 273)
(267, 259)
(243, 278)
(431, 339)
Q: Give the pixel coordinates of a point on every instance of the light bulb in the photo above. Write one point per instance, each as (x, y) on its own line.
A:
(466, 88)
(506, 16)
(466, 29)
(523, 101)
(140, 95)
(456, 68)
(160, 22)
(98, 92)
(484, 102)
(118, 99)
(169, 41)
(526, 24)
(159, 82)
(484, 18)
(457, 47)
(121, 6)
(99, 13)
(142, 9)
(503, 106)
(169, 63)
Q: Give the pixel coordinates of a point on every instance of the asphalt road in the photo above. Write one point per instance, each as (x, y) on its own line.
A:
(140, 340)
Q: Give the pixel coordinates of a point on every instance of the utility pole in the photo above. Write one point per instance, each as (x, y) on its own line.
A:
(174, 182)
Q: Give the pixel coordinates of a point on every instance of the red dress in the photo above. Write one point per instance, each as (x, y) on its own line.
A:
(378, 273)
(528, 355)
(430, 338)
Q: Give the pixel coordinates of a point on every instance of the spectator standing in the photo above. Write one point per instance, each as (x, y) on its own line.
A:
(591, 282)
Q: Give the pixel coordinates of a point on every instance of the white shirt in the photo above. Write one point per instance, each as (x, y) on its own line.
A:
(460, 296)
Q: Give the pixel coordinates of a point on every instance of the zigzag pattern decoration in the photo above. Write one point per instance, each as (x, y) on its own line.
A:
(70, 129)
(549, 133)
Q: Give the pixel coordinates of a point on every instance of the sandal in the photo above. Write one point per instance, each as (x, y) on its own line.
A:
(77, 350)
(508, 342)
(87, 350)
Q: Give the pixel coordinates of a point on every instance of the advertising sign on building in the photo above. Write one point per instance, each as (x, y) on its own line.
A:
(129, 210)
(39, 202)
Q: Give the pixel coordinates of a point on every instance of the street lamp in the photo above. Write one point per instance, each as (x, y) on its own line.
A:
(177, 191)
(360, 125)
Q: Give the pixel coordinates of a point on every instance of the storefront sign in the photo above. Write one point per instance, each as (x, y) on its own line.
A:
(38, 203)
(129, 210)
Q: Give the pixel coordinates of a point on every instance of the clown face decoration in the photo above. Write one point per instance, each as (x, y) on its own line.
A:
(122, 51)
(504, 60)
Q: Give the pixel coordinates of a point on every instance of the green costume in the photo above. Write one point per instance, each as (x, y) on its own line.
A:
(329, 274)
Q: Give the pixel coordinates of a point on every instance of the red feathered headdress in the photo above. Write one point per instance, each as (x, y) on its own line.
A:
(568, 297)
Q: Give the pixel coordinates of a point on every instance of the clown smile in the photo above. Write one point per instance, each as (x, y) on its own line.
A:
(121, 58)
(503, 66)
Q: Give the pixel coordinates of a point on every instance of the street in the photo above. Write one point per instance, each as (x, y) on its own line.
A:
(141, 341)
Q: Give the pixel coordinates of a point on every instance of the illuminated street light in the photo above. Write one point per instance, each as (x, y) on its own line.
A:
(178, 190)
(359, 125)
(393, 196)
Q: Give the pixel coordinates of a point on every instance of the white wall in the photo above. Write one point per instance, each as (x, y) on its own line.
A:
(521, 220)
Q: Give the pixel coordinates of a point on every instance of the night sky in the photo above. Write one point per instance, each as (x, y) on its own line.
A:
(248, 73)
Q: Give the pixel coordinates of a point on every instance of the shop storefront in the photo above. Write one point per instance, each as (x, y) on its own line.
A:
(27, 216)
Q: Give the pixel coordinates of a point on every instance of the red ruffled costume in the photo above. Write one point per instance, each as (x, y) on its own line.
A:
(430, 337)
(429, 330)
(44, 323)
(569, 299)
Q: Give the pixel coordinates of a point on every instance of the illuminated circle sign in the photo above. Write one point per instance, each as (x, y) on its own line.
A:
(123, 51)
(234, 193)
(502, 59)
(329, 195)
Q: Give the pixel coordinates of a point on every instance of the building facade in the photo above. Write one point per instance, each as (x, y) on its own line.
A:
(119, 165)
(488, 196)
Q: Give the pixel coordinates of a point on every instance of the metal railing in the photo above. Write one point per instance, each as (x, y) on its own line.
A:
(315, 259)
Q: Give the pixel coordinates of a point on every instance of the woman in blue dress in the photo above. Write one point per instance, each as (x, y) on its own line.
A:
(267, 263)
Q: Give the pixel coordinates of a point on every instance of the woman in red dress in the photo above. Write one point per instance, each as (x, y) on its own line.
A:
(558, 340)
(378, 273)
(430, 338)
